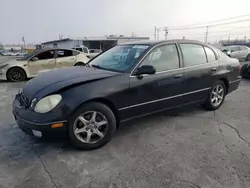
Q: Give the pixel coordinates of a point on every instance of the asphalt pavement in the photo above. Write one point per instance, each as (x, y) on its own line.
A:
(183, 148)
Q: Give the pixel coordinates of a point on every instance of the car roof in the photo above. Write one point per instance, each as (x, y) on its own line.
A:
(156, 42)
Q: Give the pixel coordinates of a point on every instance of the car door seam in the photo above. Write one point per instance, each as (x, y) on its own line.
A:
(162, 99)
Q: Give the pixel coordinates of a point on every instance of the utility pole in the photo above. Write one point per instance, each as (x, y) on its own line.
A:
(155, 32)
(206, 35)
(24, 44)
(158, 30)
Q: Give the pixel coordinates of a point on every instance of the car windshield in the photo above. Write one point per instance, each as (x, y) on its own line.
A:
(27, 56)
(119, 58)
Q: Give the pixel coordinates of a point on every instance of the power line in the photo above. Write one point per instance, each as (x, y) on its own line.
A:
(213, 21)
(212, 25)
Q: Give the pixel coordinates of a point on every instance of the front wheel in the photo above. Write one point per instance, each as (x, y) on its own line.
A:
(92, 126)
(216, 96)
(16, 75)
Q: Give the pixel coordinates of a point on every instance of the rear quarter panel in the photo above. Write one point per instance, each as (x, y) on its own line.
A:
(229, 68)
(82, 58)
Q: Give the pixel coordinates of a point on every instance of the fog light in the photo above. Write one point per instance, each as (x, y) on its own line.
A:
(37, 133)
(57, 125)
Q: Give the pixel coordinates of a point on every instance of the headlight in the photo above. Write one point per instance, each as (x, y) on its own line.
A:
(2, 66)
(47, 103)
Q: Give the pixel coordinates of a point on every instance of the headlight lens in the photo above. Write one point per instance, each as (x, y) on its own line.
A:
(47, 103)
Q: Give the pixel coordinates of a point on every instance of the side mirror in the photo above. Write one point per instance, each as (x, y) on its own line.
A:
(34, 59)
(145, 69)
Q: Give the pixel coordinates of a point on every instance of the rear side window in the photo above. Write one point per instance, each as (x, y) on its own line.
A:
(193, 54)
(76, 53)
(64, 53)
(242, 48)
(210, 54)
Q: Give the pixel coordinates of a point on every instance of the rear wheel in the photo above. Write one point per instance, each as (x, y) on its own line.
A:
(92, 126)
(216, 96)
(16, 75)
(79, 64)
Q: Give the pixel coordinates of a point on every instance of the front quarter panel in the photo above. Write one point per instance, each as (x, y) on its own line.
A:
(21, 64)
(113, 89)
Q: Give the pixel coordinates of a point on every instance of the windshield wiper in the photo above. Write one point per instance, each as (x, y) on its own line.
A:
(97, 66)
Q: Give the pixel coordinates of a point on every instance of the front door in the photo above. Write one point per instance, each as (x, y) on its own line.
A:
(200, 68)
(158, 91)
(42, 62)
(65, 58)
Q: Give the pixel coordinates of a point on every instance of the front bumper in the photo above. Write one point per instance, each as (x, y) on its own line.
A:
(34, 123)
(3, 74)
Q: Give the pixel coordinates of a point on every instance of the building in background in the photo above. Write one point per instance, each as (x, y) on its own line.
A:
(102, 43)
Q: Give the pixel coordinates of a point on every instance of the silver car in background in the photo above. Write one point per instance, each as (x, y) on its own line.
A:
(237, 51)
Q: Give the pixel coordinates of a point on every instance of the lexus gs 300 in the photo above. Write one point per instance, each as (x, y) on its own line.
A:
(129, 80)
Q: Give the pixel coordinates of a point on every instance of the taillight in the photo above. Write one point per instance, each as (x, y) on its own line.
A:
(239, 67)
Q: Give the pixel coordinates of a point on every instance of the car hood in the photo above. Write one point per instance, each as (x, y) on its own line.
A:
(55, 80)
(9, 62)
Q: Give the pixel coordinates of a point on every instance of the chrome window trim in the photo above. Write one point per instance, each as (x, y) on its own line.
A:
(162, 99)
(182, 68)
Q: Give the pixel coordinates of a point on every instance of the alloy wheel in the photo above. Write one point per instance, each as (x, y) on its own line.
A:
(217, 95)
(90, 127)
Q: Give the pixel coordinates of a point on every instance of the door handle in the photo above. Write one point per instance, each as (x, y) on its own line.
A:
(213, 69)
(178, 76)
(72, 59)
(50, 61)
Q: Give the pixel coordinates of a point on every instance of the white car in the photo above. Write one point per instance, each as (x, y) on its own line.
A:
(40, 61)
(94, 52)
(6, 53)
(237, 51)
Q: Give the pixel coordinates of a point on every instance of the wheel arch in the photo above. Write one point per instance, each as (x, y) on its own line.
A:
(105, 101)
(226, 82)
(79, 63)
(16, 67)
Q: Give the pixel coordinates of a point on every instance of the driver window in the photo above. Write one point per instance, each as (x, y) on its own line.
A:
(163, 58)
(45, 55)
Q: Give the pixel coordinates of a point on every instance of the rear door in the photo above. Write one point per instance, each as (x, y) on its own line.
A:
(200, 67)
(236, 52)
(160, 90)
(65, 58)
(42, 62)
(244, 52)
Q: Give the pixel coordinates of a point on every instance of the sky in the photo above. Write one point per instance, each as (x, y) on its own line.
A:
(42, 20)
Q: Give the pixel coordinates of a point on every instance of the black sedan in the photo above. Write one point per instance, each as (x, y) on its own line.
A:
(127, 81)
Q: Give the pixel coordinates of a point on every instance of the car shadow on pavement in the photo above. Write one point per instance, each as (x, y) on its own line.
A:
(62, 142)
(144, 122)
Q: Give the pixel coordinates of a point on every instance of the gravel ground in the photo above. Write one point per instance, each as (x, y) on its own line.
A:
(183, 148)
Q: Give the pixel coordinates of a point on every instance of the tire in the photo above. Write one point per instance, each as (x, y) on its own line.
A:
(79, 64)
(244, 71)
(209, 105)
(248, 57)
(80, 140)
(16, 74)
